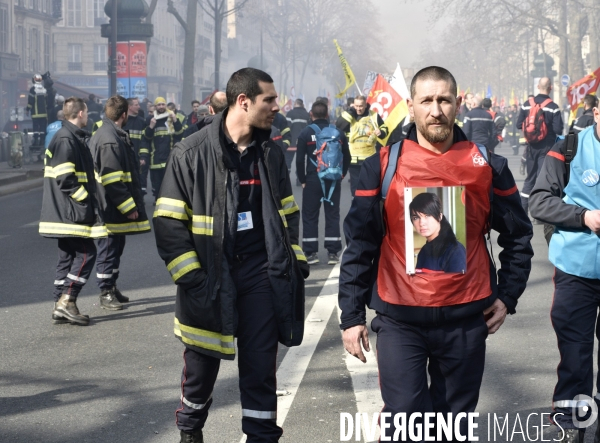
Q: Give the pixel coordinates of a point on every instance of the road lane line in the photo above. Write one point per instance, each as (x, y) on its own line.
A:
(365, 382)
(293, 367)
(32, 224)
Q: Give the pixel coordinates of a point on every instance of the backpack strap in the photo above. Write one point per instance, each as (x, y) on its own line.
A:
(545, 103)
(391, 168)
(570, 151)
(395, 151)
(315, 128)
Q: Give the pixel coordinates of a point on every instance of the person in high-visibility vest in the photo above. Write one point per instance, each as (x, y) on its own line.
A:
(362, 127)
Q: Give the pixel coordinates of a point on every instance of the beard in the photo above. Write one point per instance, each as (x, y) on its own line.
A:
(436, 135)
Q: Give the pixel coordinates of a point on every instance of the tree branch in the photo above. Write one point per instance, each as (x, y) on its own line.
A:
(171, 9)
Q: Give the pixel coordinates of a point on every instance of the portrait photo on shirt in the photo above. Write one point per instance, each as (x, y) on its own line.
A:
(436, 230)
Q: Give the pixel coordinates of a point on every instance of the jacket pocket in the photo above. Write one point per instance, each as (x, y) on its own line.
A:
(81, 213)
(197, 305)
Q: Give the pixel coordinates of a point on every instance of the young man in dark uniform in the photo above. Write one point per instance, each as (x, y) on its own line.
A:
(226, 225)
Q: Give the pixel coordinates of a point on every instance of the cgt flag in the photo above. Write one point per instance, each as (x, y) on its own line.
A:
(578, 90)
(387, 102)
(348, 74)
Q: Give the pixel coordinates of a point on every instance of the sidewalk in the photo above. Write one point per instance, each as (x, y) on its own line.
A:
(14, 180)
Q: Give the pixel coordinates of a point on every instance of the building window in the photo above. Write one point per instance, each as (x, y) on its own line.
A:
(74, 57)
(20, 40)
(100, 57)
(3, 28)
(47, 50)
(100, 17)
(74, 13)
(34, 51)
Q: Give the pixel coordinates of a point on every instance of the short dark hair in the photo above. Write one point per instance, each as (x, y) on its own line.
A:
(350, 101)
(433, 73)
(130, 100)
(590, 100)
(92, 96)
(115, 107)
(72, 107)
(319, 109)
(245, 81)
(361, 98)
(299, 102)
(218, 105)
(486, 103)
(195, 101)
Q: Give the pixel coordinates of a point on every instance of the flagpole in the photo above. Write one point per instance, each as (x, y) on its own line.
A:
(359, 91)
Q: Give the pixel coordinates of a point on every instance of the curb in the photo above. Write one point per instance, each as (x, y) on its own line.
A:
(21, 186)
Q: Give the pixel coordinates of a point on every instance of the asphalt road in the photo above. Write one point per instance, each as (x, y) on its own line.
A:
(117, 380)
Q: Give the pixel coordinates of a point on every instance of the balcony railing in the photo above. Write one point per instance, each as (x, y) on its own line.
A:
(74, 66)
(100, 66)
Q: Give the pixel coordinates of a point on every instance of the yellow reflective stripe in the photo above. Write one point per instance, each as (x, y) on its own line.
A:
(63, 168)
(109, 178)
(201, 338)
(158, 166)
(202, 225)
(283, 218)
(285, 131)
(81, 177)
(126, 177)
(170, 207)
(144, 151)
(69, 229)
(183, 264)
(124, 228)
(160, 132)
(48, 153)
(126, 206)
(179, 132)
(346, 116)
(299, 252)
(80, 194)
(288, 205)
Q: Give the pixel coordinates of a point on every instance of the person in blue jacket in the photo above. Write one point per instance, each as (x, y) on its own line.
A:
(442, 252)
(53, 128)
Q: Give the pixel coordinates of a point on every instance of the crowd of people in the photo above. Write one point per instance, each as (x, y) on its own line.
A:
(226, 225)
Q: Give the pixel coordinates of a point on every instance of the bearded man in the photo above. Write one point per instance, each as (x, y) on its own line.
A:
(431, 321)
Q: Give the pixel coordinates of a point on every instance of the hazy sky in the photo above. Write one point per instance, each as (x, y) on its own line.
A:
(408, 28)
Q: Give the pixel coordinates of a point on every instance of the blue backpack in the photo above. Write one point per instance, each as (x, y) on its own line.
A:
(329, 155)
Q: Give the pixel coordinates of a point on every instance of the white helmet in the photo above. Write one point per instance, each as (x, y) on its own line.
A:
(37, 78)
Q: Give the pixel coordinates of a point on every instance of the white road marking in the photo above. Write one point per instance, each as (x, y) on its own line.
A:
(365, 382)
(294, 364)
(31, 225)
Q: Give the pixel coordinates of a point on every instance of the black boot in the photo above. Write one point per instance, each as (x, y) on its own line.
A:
(59, 319)
(122, 298)
(191, 437)
(108, 300)
(66, 308)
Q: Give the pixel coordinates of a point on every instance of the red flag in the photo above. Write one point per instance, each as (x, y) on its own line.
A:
(578, 90)
(384, 99)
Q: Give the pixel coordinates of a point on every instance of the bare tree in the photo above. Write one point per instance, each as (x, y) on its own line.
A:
(217, 10)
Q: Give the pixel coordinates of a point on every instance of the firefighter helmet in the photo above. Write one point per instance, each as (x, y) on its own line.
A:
(37, 78)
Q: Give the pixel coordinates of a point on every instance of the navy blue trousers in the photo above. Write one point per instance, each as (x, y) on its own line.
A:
(257, 339)
(110, 250)
(76, 258)
(454, 355)
(574, 317)
(311, 208)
